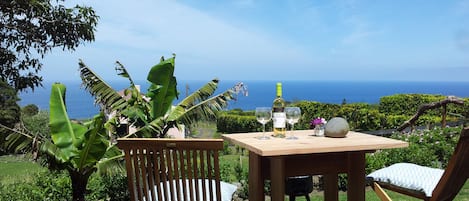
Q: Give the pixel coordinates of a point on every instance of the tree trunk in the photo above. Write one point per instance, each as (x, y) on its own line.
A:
(79, 182)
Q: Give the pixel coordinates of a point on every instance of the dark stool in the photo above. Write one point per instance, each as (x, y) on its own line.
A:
(298, 186)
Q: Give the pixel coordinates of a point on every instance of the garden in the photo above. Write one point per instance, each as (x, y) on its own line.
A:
(429, 145)
(45, 155)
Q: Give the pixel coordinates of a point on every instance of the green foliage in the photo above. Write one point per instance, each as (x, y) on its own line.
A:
(311, 110)
(37, 123)
(57, 186)
(153, 113)
(45, 186)
(78, 145)
(31, 29)
(394, 121)
(79, 148)
(112, 187)
(407, 104)
(240, 123)
(432, 148)
(9, 113)
(360, 116)
(235, 169)
(29, 110)
(9, 109)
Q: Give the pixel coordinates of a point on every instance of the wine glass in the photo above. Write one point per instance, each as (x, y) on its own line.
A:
(263, 115)
(292, 116)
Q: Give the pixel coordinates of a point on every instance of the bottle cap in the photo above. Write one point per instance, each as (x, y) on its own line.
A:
(279, 89)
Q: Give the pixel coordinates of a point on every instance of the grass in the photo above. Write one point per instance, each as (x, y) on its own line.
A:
(17, 168)
(370, 195)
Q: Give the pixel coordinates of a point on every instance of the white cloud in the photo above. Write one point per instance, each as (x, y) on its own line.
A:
(173, 27)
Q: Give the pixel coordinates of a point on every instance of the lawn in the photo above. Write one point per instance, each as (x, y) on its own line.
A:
(17, 168)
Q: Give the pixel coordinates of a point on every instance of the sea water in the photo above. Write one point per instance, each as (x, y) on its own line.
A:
(80, 104)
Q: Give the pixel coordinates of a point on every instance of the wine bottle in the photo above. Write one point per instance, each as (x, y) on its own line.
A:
(278, 113)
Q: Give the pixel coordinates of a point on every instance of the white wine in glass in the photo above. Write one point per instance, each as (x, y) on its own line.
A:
(263, 115)
(292, 114)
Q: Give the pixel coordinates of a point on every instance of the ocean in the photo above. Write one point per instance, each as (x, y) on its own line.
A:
(80, 104)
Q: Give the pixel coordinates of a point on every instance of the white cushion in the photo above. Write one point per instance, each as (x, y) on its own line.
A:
(409, 176)
(226, 189)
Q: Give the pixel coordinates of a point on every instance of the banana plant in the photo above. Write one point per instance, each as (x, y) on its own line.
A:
(78, 148)
(154, 113)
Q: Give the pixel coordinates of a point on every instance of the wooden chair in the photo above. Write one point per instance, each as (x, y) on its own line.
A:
(442, 185)
(174, 169)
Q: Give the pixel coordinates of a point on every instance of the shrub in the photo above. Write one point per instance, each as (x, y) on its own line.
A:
(112, 187)
(29, 110)
(56, 186)
(238, 123)
(431, 148)
(407, 104)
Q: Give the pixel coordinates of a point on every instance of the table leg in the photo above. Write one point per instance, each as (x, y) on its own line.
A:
(277, 178)
(256, 182)
(331, 189)
(356, 176)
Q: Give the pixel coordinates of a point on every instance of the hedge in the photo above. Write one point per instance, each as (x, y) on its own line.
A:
(391, 112)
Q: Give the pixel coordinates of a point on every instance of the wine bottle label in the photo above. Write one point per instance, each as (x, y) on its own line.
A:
(279, 119)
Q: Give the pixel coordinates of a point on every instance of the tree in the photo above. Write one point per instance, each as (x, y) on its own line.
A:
(9, 111)
(29, 29)
(154, 113)
(75, 147)
(80, 148)
(29, 110)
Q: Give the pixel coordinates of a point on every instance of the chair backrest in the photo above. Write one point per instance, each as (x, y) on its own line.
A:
(457, 171)
(172, 169)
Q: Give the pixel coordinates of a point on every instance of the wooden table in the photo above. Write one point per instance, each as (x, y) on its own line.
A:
(278, 158)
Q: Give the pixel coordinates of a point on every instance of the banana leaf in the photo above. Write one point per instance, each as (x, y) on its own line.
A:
(162, 90)
(95, 143)
(66, 135)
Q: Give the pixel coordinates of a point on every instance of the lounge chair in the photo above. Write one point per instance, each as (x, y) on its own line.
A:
(423, 182)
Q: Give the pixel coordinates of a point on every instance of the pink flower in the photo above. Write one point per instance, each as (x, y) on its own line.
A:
(318, 121)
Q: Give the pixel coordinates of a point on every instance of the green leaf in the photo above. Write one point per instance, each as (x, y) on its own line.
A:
(122, 71)
(67, 136)
(95, 143)
(103, 92)
(162, 90)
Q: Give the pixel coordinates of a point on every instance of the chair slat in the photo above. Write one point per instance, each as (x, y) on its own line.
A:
(138, 178)
(202, 173)
(190, 172)
(158, 172)
(209, 174)
(130, 174)
(143, 171)
(183, 173)
(175, 175)
(196, 174)
(216, 166)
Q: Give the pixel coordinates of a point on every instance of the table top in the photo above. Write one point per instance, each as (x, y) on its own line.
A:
(307, 144)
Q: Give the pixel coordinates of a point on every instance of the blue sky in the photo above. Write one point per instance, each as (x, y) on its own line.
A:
(412, 40)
